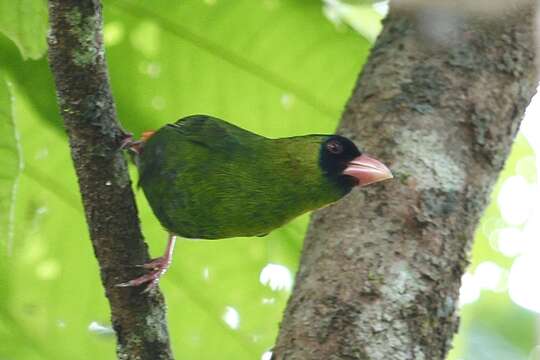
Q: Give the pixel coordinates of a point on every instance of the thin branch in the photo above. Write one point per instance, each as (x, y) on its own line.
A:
(77, 60)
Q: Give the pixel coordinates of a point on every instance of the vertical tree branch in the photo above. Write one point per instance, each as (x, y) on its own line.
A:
(380, 271)
(77, 60)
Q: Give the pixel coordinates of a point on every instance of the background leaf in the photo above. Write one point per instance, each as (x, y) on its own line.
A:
(25, 23)
(10, 166)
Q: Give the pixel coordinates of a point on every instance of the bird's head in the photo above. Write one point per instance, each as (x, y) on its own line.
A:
(341, 160)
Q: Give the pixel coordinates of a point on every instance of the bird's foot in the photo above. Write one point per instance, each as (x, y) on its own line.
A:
(130, 144)
(135, 145)
(157, 268)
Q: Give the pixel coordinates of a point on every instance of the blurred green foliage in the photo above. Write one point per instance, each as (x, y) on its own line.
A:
(25, 23)
(10, 164)
(275, 67)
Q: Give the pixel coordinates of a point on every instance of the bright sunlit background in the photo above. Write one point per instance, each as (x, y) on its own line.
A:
(500, 296)
(276, 67)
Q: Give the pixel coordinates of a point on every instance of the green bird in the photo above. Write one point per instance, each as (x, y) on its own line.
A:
(205, 178)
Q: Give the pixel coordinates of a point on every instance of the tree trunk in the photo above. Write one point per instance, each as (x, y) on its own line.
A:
(77, 60)
(440, 100)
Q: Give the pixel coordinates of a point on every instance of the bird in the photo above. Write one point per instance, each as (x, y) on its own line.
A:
(205, 178)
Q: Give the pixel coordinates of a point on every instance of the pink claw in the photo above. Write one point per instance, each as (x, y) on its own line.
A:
(158, 267)
(135, 145)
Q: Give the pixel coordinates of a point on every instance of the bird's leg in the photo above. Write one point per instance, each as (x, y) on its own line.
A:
(157, 267)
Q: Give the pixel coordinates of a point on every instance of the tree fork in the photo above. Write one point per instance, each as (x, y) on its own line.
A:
(77, 60)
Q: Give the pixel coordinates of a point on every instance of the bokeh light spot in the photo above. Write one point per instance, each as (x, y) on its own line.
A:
(509, 241)
(521, 282)
(231, 317)
(97, 328)
(277, 277)
(469, 291)
(514, 201)
(114, 33)
(48, 269)
(489, 276)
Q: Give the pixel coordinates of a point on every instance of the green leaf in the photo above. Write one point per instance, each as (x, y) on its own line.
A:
(10, 167)
(276, 67)
(25, 23)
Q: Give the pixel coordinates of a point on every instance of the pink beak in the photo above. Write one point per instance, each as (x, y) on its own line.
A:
(367, 170)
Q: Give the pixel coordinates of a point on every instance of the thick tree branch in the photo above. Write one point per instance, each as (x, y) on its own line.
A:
(380, 271)
(77, 60)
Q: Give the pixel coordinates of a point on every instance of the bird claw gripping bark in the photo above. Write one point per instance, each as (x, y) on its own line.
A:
(129, 143)
(135, 145)
(157, 267)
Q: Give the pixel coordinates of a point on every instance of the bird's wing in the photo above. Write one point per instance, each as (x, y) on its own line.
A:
(198, 140)
(212, 133)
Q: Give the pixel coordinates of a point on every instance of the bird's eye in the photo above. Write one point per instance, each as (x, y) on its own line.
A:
(334, 147)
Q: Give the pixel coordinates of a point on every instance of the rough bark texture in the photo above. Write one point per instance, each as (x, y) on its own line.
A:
(77, 60)
(380, 271)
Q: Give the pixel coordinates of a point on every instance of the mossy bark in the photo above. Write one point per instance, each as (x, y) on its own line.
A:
(77, 60)
(380, 271)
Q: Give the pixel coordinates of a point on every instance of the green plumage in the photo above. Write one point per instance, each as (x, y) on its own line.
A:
(205, 178)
